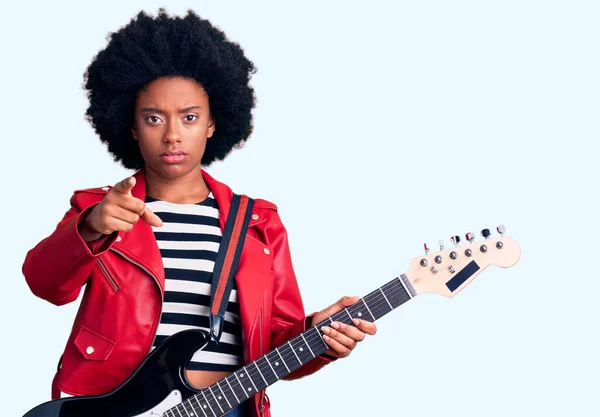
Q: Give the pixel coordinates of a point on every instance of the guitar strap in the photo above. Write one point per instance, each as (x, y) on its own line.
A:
(227, 261)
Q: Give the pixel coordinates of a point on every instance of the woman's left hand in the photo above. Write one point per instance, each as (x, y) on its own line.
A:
(343, 338)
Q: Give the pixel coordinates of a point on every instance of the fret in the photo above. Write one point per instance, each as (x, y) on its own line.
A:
(261, 375)
(278, 362)
(190, 408)
(206, 401)
(217, 401)
(386, 299)
(274, 373)
(307, 345)
(240, 382)
(177, 409)
(255, 384)
(342, 316)
(317, 344)
(301, 350)
(244, 375)
(267, 370)
(367, 307)
(236, 387)
(224, 395)
(185, 410)
(319, 333)
(295, 354)
(357, 312)
(376, 305)
(231, 388)
(396, 292)
(199, 405)
(284, 364)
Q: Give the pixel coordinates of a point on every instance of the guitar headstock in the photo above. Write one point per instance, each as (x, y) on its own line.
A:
(448, 271)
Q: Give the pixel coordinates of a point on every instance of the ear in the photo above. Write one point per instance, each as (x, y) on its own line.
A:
(211, 127)
(134, 132)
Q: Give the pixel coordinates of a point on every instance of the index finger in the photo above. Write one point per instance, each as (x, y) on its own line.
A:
(125, 186)
(151, 218)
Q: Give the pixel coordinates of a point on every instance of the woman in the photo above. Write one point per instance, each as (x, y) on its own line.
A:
(169, 95)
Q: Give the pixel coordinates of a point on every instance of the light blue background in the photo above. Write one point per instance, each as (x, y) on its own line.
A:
(379, 126)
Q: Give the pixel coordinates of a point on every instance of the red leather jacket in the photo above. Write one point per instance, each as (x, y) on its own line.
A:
(119, 312)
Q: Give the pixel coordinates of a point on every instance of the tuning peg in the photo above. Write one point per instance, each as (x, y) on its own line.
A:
(455, 240)
(441, 245)
(426, 246)
(485, 233)
(470, 237)
(501, 229)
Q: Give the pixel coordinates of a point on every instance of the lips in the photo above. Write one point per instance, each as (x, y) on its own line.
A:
(173, 157)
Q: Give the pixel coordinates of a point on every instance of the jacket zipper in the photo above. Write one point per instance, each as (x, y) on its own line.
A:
(261, 407)
(159, 290)
(110, 279)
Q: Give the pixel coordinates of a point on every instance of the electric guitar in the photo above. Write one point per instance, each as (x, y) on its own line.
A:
(158, 387)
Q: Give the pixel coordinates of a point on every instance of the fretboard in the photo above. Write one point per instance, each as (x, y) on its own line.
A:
(226, 394)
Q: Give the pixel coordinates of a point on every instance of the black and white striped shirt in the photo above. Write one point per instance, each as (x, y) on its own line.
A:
(189, 241)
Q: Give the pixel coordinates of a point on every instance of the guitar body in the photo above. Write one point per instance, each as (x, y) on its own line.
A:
(156, 386)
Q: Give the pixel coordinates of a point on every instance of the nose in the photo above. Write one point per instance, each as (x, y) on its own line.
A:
(173, 133)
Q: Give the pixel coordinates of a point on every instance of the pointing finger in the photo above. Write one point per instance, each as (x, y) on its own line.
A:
(151, 218)
(125, 186)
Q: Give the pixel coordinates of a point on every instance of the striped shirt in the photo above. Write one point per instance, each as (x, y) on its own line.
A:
(189, 241)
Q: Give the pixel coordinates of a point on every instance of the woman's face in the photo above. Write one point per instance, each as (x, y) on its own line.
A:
(172, 123)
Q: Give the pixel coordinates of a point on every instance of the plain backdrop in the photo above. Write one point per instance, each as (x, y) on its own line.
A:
(379, 126)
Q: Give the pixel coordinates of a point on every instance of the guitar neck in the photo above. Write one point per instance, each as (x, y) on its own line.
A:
(254, 377)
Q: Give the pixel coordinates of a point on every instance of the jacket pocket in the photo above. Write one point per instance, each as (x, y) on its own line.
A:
(92, 345)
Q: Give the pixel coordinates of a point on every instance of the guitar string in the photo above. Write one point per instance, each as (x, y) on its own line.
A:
(313, 336)
(254, 373)
(290, 355)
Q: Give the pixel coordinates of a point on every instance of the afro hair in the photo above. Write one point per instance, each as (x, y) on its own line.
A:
(148, 48)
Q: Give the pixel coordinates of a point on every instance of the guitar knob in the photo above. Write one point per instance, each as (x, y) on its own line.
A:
(485, 233)
(501, 229)
(470, 237)
(455, 240)
(426, 246)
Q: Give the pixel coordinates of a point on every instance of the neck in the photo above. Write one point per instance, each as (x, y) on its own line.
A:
(224, 395)
(188, 189)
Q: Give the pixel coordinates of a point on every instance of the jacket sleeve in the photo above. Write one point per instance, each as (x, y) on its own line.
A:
(288, 318)
(57, 267)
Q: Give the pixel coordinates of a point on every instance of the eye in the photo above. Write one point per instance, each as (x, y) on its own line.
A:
(153, 119)
(190, 117)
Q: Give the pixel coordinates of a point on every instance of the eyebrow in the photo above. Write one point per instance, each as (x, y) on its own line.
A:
(157, 110)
